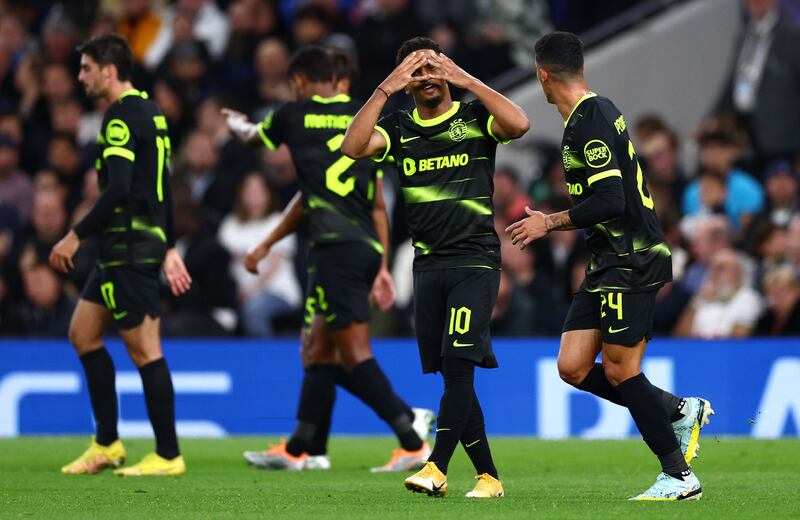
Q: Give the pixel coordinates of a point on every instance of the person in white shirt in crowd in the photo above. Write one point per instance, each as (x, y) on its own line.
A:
(275, 290)
(726, 306)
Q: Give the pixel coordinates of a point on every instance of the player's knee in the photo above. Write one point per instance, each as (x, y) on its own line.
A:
(573, 372)
(82, 341)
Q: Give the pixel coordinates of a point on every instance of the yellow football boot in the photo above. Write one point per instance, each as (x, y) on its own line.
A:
(153, 465)
(428, 480)
(486, 487)
(96, 458)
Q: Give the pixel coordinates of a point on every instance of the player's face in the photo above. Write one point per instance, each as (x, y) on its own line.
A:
(93, 77)
(430, 92)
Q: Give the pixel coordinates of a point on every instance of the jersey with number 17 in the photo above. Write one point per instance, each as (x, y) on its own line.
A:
(338, 192)
(629, 252)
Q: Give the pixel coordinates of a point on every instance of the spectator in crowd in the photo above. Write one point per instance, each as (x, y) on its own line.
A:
(314, 25)
(272, 84)
(188, 64)
(209, 308)
(509, 199)
(666, 179)
(793, 243)
(783, 199)
(237, 158)
(16, 188)
(782, 291)
(209, 185)
(139, 24)
(64, 158)
(46, 310)
(744, 195)
(208, 25)
(274, 291)
(726, 306)
(59, 37)
(710, 235)
(513, 309)
(762, 87)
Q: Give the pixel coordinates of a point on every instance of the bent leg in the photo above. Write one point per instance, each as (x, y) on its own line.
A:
(622, 366)
(144, 347)
(89, 321)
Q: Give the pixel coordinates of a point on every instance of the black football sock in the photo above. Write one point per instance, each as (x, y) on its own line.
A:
(596, 383)
(647, 410)
(319, 442)
(101, 381)
(475, 442)
(344, 379)
(159, 396)
(372, 387)
(454, 409)
(316, 401)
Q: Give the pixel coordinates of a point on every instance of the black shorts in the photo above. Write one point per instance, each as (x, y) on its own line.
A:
(129, 292)
(623, 318)
(452, 311)
(340, 278)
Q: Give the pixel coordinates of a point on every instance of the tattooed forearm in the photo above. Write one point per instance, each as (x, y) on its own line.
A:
(559, 221)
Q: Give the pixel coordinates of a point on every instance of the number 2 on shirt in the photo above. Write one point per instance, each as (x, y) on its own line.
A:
(334, 172)
(647, 200)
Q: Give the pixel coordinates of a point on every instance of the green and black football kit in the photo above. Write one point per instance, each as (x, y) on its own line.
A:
(133, 214)
(338, 198)
(630, 258)
(446, 171)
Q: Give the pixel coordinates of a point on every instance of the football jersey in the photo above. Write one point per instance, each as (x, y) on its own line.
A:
(446, 171)
(134, 129)
(338, 192)
(629, 252)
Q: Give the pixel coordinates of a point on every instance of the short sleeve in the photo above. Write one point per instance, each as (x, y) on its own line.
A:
(595, 147)
(747, 309)
(386, 127)
(272, 129)
(484, 120)
(120, 134)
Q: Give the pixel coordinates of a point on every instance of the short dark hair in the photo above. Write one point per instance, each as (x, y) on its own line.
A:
(314, 63)
(560, 53)
(344, 67)
(416, 44)
(110, 49)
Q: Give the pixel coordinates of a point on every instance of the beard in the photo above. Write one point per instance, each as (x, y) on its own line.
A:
(432, 102)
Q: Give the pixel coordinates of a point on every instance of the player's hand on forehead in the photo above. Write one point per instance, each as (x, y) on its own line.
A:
(403, 74)
(446, 69)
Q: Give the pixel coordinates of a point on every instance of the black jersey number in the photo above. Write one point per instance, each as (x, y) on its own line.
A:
(647, 200)
(333, 175)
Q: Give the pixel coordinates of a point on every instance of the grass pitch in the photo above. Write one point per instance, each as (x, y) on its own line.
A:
(543, 479)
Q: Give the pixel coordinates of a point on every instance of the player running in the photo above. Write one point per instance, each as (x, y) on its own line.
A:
(342, 203)
(134, 219)
(445, 152)
(612, 312)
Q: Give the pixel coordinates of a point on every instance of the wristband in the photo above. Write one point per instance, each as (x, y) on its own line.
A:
(384, 92)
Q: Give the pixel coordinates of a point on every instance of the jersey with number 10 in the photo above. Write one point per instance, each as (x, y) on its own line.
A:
(629, 252)
(338, 192)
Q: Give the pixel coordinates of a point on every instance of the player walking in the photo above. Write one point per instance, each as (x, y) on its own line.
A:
(445, 153)
(342, 201)
(612, 312)
(134, 219)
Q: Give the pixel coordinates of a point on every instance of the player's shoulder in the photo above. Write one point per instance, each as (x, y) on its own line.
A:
(598, 113)
(132, 109)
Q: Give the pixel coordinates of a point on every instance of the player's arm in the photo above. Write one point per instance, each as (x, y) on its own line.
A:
(509, 121)
(362, 138)
(383, 292)
(241, 126)
(119, 158)
(292, 218)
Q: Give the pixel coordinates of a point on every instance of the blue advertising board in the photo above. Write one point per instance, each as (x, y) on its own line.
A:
(228, 387)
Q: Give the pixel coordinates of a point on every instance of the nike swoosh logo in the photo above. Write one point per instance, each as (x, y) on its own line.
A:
(407, 139)
(435, 487)
(457, 344)
(614, 331)
(120, 315)
(442, 430)
(473, 443)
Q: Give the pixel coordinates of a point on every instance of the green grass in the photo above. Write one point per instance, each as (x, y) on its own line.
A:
(543, 479)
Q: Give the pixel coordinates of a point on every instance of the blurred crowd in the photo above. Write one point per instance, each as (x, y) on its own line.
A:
(732, 219)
